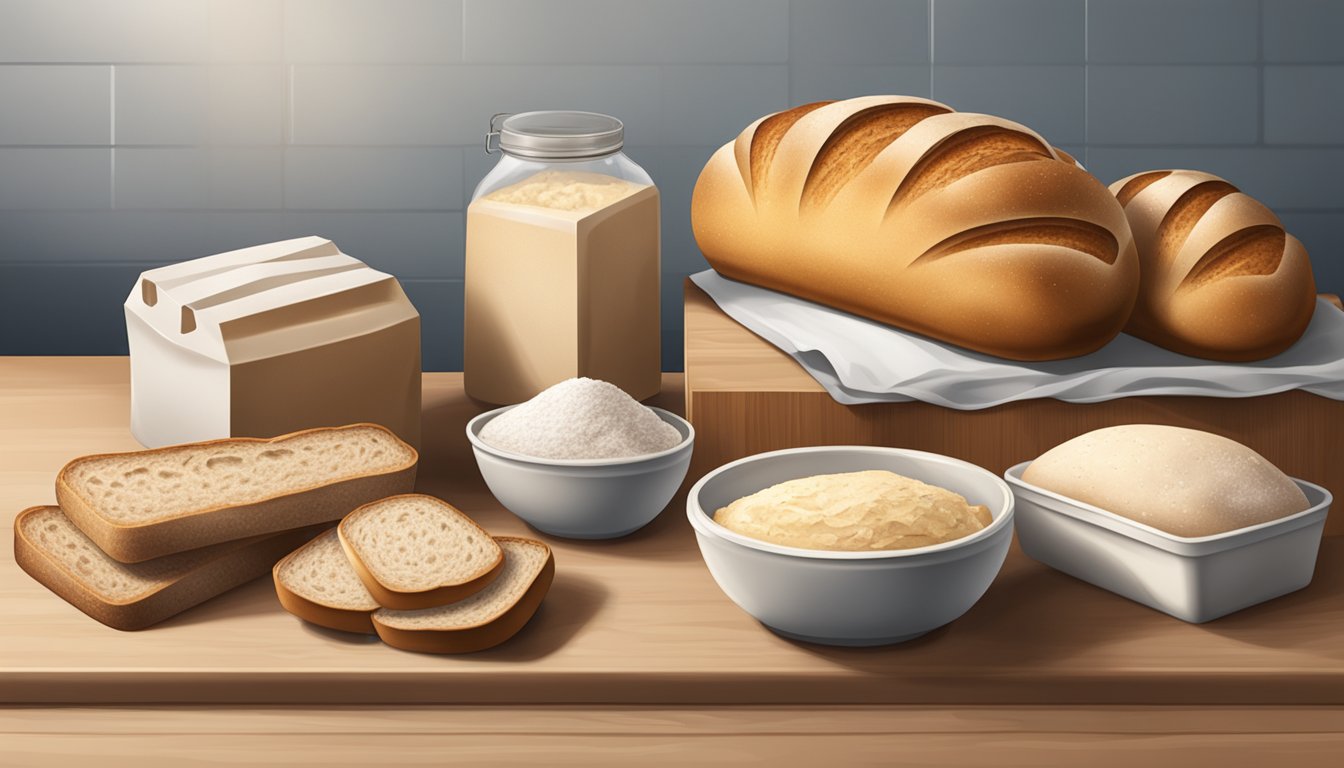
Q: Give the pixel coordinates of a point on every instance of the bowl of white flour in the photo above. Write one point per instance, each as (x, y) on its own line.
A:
(583, 459)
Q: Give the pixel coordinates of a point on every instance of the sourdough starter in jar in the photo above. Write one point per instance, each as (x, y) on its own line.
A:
(562, 272)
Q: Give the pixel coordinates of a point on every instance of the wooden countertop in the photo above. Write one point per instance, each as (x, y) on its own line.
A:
(637, 621)
(533, 737)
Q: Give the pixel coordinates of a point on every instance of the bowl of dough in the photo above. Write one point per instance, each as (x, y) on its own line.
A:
(582, 459)
(852, 545)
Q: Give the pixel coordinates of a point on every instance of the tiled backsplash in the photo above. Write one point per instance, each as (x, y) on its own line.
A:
(140, 132)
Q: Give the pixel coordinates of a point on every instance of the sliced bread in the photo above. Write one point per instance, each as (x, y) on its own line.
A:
(146, 504)
(59, 556)
(415, 551)
(317, 583)
(483, 620)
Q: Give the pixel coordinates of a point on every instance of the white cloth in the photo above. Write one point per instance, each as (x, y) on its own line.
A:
(863, 361)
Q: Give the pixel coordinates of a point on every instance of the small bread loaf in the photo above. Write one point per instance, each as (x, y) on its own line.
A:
(1182, 481)
(415, 551)
(1220, 277)
(854, 511)
(963, 227)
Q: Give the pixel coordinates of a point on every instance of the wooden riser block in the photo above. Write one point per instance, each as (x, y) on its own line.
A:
(745, 396)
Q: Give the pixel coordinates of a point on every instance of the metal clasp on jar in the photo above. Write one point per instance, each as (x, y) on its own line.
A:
(493, 133)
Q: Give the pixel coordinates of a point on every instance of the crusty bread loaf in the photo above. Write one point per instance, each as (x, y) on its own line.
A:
(58, 555)
(416, 551)
(146, 504)
(1182, 481)
(966, 228)
(1220, 277)
(483, 620)
(317, 583)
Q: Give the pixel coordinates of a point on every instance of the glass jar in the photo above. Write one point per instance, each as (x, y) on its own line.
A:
(562, 261)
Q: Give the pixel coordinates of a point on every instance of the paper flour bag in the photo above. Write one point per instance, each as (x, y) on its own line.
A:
(271, 339)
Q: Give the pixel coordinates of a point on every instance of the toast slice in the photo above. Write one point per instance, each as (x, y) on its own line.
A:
(415, 551)
(483, 620)
(317, 583)
(146, 504)
(60, 557)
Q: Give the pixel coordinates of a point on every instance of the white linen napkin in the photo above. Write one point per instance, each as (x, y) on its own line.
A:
(863, 361)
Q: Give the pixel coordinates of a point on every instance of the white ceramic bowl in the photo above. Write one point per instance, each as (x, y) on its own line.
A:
(851, 598)
(1194, 579)
(584, 498)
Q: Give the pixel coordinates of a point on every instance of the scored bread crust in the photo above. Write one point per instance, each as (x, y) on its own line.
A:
(1222, 280)
(329, 616)
(966, 228)
(224, 566)
(486, 634)
(311, 505)
(427, 598)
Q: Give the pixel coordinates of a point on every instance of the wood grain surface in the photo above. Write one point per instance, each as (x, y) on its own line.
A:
(142, 737)
(746, 396)
(634, 621)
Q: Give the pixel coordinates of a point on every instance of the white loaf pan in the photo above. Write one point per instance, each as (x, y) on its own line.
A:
(1194, 579)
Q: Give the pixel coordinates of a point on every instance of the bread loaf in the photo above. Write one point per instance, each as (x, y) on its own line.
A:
(1182, 481)
(963, 227)
(1221, 278)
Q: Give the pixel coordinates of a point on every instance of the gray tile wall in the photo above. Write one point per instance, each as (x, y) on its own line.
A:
(140, 132)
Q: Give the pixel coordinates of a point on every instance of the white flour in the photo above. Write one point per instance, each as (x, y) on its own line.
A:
(581, 419)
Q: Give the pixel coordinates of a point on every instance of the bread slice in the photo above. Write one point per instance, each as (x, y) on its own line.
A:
(59, 556)
(415, 551)
(317, 583)
(146, 504)
(483, 620)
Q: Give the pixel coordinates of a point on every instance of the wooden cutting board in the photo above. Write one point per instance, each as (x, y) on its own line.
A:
(745, 396)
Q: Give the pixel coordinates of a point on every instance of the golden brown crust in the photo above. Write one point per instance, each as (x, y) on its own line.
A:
(1135, 184)
(314, 505)
(481, 636)
(1221, 278)
(765, 140)
(429, 598)
(874, 232)
(224, 567)
(854, 144)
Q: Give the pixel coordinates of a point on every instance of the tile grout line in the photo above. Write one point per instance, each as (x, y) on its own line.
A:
(646, 147)
(287, 132)
(437, 64)
(150, 263)
(1332, 209)
(931, 52)
(788, 53)
(112, 136)
(1087, 82)
(1260, 71)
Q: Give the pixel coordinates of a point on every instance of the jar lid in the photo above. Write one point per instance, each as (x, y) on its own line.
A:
(558, 134)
